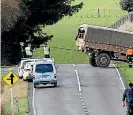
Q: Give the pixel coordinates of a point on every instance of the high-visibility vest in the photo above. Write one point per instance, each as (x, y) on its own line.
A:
(129, 52)
(27, 73)
(28, 51)
(46, 50)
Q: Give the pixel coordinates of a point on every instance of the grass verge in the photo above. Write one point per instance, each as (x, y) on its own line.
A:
(20, 92)
(8, 66)
(23, 107)
(126, 72)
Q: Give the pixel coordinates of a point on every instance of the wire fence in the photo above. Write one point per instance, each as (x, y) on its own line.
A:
(98, 13)
(120, 22)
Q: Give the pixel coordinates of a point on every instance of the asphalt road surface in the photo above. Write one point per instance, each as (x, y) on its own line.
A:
(82, 90)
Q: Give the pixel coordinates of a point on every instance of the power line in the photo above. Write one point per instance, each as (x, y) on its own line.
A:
(15, 43)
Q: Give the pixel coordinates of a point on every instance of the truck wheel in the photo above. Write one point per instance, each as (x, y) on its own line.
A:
(103, 60)
(82, 50)
(92, 62)
(130, 66)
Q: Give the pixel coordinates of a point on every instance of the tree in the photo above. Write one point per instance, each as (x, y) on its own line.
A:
(127, 5)
(27, 16)
(11, 11)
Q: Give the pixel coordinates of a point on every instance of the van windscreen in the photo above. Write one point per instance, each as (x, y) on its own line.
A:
(43, 68)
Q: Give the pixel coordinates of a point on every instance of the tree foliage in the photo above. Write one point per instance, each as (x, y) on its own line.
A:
(127, 5)
(22, 19)
(11, 11)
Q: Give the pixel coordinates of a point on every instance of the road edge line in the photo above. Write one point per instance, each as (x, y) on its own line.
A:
(33, 101)
(78, 80)
(120, 77)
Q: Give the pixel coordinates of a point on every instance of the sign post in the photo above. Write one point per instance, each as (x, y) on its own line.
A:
(12, 101)
(11, 79)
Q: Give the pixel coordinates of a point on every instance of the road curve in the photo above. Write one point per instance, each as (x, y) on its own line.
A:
(101, 92)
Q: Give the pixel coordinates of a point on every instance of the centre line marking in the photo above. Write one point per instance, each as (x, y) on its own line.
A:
(73, 64)
(78, 80)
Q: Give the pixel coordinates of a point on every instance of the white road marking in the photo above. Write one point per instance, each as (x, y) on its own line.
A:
(78, 80)
(73, 64)
(119, 77)
(33, 102)
(80, 94)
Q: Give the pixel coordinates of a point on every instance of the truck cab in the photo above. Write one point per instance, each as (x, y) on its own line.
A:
(80, 36)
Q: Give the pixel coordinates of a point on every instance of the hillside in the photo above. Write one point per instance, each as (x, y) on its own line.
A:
(64, 32)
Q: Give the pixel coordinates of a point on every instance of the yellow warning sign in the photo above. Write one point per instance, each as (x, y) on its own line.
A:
(11, 79)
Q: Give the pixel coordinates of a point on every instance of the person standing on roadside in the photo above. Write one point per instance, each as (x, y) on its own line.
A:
(128, 97)
(46, 51)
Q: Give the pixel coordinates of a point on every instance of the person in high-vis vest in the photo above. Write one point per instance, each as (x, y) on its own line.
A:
(129, 52)
(129, 55)
(46, 51)
(28, 51)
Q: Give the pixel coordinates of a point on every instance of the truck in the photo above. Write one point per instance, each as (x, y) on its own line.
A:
(103, 44)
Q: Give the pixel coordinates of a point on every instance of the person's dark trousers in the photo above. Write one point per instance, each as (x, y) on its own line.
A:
(129, 109)
(130, 57)
(47, 56)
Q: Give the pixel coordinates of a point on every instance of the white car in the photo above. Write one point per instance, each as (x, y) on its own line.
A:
(44, 72)
(22, 64)
(27, 71)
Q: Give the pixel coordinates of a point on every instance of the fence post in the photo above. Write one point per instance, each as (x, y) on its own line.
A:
(98, 12)
(92, 13)
(17, 105)
(104, 12)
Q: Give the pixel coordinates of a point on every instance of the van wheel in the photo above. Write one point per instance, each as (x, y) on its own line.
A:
(24, 79)
(20, 77)
(30, 80)
(103, 60)
(55, 84)
(35, 86)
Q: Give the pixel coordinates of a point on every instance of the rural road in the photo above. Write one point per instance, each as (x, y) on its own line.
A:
(82, 90)
(101, 92)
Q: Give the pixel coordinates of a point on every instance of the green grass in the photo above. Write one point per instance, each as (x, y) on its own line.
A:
(65, 30)
(126, 72)
(23, 107)
(8, 66)
(17, 93)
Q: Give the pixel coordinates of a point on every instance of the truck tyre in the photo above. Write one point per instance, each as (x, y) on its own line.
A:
(103, 60)
(92, 62)
(130, 66)
(82, 50)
